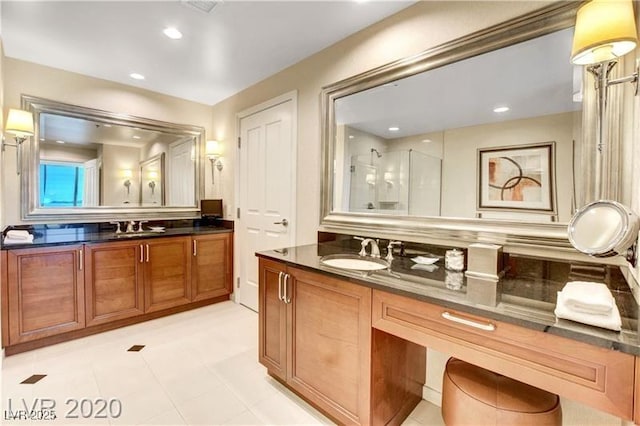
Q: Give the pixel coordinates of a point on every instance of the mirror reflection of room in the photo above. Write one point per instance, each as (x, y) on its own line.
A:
(85, 163)
(411, 147)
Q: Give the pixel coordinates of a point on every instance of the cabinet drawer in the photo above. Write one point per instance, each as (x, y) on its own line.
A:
(595, 376)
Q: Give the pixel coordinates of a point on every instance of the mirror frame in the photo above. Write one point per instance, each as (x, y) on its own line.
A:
(555, 17)
(30, 208)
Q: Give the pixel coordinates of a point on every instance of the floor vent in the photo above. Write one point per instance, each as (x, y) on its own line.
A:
(135, 348)
(33, 379)
(205, 6)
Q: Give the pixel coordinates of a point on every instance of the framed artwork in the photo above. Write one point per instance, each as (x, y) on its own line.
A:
(517, 178)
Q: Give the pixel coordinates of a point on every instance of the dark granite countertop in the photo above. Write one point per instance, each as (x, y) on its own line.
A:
(47, 236)
(525, 296)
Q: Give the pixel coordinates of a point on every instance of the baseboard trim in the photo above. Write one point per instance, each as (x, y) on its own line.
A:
(431, 395)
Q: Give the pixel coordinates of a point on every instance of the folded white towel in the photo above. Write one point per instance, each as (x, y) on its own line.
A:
(19, 234)
(13, 241)
(588, 297)
(611, 321)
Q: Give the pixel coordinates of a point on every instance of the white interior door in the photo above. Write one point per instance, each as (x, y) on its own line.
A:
(181, 174)
(91, 184)
(266, 189)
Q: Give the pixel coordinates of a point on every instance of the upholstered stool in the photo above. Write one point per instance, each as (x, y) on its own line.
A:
(474, 396)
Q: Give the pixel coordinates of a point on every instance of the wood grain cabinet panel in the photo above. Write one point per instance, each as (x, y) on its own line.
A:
(114, 281)
(599, 377)
(330, 344)
(212, 266)
(167, 272)
(45, 289)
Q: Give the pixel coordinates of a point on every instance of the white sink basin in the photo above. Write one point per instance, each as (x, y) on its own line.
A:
(354, 262)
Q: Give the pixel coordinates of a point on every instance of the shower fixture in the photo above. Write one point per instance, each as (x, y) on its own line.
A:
(376, 151)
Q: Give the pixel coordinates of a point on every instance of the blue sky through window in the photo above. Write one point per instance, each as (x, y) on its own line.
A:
(61, 185)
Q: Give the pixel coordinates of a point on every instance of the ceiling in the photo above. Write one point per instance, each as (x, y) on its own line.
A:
(533, 78)
(235, 45)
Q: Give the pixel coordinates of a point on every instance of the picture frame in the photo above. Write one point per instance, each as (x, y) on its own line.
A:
(517, 178)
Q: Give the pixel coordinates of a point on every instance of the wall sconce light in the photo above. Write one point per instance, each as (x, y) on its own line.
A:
(152, 183)
(370, 178)
(388, 178)
(20, 124)
(605, 31)
(213, 152)
(127, 174)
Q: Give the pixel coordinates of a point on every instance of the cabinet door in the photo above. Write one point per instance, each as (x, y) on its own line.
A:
(45, 292)
(212, 271)
(272, 313)
(167, 272)
(113, 281)
(330, 344)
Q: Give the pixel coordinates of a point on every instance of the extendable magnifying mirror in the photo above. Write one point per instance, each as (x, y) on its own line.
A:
(603, 229)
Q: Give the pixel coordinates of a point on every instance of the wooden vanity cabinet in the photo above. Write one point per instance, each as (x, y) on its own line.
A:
(44, 292)
(114, 281)
(315, 335)
(167, 272)
(53, 294)
(211, 266)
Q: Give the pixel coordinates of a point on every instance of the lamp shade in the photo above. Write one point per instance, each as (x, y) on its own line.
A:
(213, 149)
(19, 122)
(605, 30)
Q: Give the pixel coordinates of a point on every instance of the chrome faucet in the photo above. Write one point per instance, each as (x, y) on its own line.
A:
(130, 227)
(389, 256)
(375, 250)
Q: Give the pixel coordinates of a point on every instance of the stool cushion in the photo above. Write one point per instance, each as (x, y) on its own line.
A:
(474, 396)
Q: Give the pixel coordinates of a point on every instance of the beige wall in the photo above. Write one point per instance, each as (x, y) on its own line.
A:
(21, 77)
(411, 31)
(115, 160)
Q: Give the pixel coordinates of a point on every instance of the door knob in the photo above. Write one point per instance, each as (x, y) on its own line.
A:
(283, 222)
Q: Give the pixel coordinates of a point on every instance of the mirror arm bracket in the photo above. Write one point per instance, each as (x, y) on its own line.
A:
(632, 254)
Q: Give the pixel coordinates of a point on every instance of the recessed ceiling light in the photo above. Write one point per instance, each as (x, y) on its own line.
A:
(41, 139)
(172, 33)
(59, 141)
(107, 125)
(136, 76)
(351, 136)
(501, 109)
(136, 137)
(427, 140)
(394, 129)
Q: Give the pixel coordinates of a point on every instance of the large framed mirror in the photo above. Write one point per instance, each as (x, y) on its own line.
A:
(477, 139)
(88, 164)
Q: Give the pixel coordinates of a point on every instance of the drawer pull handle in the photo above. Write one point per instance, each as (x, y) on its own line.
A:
(485, 327)
(141, 254)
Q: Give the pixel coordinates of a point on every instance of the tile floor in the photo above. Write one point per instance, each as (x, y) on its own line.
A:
(196, 368)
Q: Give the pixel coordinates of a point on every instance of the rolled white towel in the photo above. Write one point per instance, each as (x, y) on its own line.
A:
(611, 321)
(19, 234)
(588, 297)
